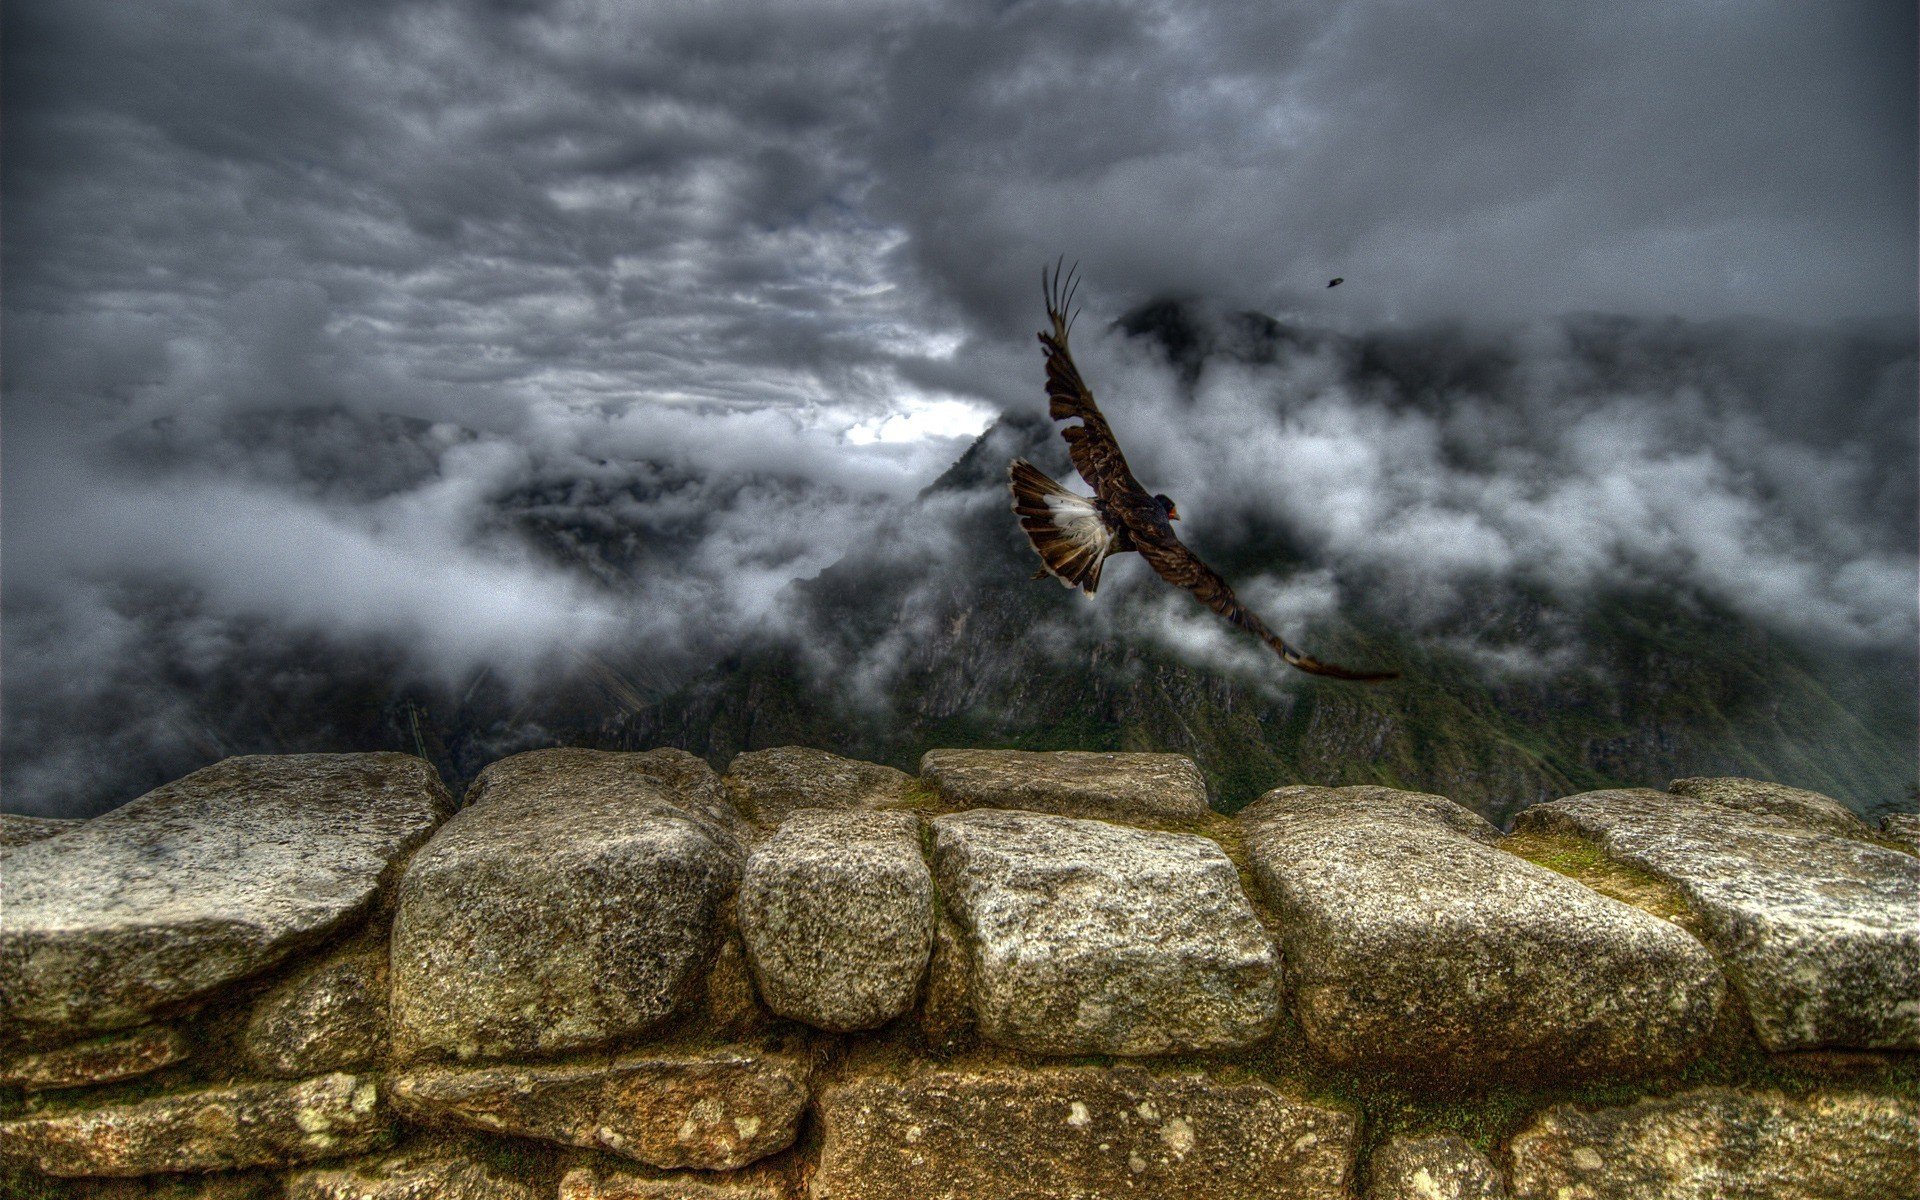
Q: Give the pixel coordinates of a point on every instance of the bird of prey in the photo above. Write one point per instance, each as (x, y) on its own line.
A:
(1336, 281)
(1075, 535)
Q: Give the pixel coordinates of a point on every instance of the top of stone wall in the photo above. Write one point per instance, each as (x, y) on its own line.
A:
(1069, 782)
(202, 882)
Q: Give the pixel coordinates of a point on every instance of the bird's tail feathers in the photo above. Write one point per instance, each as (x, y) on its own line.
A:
(1066, 529)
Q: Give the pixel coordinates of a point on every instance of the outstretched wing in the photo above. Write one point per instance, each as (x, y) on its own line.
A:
(1182, 568)
(1095, 453)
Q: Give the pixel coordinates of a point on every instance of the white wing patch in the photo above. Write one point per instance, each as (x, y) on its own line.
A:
(1067, 530)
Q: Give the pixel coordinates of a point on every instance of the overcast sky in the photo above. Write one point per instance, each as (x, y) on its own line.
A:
(802, 241)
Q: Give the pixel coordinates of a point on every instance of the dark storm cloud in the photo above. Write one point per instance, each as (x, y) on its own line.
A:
(1467, 160)
(333, 321)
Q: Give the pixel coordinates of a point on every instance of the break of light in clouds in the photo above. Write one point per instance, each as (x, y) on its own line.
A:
(314, 310)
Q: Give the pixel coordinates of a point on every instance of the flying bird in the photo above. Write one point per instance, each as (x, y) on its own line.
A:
(1075, 535)
(1336, 281)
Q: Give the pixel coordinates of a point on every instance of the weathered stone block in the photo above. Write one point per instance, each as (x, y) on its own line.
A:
(715, 1110)
(106, 1059)
(1757, 800)
(328, 1015)
(1416, 947)
(600, 1183)
(18, 830)
(1435, 1167)
(768, 786)
(220, 1129)
(1821, 933)
(1903, 828)
(1090, 938)
(201, 882)
(836, 910)
(1070, 782)
(1716, 1144)
(1077, 1132)
(431, 1174)
(571, 903)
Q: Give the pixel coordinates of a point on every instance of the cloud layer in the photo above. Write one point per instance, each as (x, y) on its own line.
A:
(463, 340)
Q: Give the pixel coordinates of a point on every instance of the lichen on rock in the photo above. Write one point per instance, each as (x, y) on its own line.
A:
(1077, 1132)
(572, 902)
(1819, 931)
(1117, 786)
(1090, 938)
(203, 882)
(836, 910)
(1715, 1142)
(1417, 947)
(768, 786)
(714, 1109)
(215, 1129)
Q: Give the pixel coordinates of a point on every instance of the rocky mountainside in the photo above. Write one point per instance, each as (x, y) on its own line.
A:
(1668, 685)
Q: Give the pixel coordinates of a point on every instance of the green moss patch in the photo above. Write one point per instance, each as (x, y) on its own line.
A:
(1586, 862)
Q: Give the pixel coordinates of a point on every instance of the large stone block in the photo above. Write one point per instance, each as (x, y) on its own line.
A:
(1414, 946)
(204, 881)
(715, 1110)
(768, 786)
(18, 830)
(836, 910)
(1434, 1167)
(1820, 932)
(572, 902)
(1077, 1132)
(220, 1129)
(116, 1056)
(329, 1015)
(426, 1174)
(602, 1183)
(1716, 1144)
(1090, 938)
(1070, 782)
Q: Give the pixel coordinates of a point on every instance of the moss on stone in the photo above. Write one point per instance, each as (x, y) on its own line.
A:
(1587, 863)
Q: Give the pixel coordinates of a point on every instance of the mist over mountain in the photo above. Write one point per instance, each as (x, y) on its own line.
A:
(1600, 550)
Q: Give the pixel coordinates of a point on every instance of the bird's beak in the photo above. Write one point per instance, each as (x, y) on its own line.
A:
(1173, 512)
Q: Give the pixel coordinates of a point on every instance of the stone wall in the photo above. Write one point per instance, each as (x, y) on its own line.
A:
(1017, 975)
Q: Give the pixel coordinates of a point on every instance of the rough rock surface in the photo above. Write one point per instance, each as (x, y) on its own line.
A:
(946, 1008)
(1903, 828)
(1716, 1144)
(203, 881)
(715, 1110)
(1076, 1132)
(1758, 799)
(1414, 946)
(768, 786)
(1821, 933)
(600, 1183)
(570, 903)
(18, 830)
(328, 1015)
(836, 910)
(1436, 1167)
(221, 1129)
(410, 1175)
(1070, 782)
(1090, 938)
(106, 1059)
(230, 1185)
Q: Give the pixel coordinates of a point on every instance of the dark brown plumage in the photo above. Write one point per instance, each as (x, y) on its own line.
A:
(1074, 535)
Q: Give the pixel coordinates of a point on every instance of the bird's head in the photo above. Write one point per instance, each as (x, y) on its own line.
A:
(1166, 505)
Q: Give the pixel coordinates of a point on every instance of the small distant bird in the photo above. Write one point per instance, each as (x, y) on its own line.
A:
(1336, 281)
(1075, 535)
